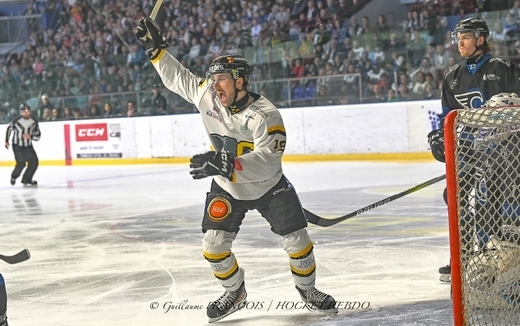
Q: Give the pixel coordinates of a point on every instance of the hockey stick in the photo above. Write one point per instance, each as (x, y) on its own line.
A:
(153, 14)
(155, 9)
(317, 220)
(17, 258)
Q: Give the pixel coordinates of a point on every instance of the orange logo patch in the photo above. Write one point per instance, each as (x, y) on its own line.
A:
(219, 209)
(230, 59)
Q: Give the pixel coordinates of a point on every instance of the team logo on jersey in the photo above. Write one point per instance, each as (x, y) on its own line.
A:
(453, 83)
(215, 114)
(245, 127)
(219, 209)
(472, 99)
(490, 77)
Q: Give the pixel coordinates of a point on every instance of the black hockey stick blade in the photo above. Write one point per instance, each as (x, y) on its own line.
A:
(18, 258)
(320, 221)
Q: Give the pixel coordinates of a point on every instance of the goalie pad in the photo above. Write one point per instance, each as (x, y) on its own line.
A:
(496, 270)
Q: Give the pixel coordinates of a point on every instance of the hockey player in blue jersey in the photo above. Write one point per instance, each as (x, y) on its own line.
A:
(3, 303)
(469, 84)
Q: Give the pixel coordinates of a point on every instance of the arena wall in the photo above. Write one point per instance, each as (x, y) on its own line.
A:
(380, 131)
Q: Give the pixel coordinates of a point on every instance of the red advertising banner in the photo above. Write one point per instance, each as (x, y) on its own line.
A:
(97, 140)
(92, 132)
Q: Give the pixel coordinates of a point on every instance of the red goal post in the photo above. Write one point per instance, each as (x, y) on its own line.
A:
(483, 187)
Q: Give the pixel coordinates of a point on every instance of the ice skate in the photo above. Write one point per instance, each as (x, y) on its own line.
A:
(227, 304)
(30, 183)
(13, 180)
(445, 272)
(3, 320)
(317, 300)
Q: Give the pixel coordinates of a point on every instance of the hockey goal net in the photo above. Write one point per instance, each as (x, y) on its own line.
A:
(483, 185)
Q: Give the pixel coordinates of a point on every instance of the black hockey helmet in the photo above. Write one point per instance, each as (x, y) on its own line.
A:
(474, 25)
(24, 107)
(234, 64)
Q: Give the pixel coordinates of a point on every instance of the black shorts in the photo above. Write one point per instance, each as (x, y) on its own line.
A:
(280, 206)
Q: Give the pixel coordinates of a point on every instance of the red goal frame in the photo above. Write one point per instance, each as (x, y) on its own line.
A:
(452, 189)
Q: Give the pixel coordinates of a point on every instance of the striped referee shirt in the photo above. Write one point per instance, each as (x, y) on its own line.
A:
(20, 126)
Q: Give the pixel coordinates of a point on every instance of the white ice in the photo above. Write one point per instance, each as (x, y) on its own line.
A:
(117, 245)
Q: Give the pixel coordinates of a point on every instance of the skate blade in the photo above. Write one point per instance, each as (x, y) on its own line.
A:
(446, 278)
(236, 308)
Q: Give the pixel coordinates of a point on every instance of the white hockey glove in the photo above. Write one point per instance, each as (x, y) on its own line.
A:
(212, 163)
(436, 141)
(148, 32)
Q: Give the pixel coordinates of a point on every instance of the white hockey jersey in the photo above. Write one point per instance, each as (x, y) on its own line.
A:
(255, 135)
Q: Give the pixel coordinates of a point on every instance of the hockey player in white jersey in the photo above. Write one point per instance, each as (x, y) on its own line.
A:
(248, 140)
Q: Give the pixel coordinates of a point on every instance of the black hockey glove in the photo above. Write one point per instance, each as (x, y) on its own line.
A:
(436, 141)
(148, 32)
(212, 163)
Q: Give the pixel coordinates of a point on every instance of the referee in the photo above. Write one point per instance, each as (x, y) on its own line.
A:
(25, 129)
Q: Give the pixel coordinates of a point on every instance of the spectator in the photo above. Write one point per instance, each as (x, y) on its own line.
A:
(93, 111)
(131, 109)
(430, 93)
(377, 95)
(355, 29)
(397, 61)
(498, 34)
(339, 32)
(415, 47)
(47, 114)
(159, 104)
(331, 8)
(45, 104)
(323, 96)
(136, 56)
(311, 12)
(392, 96)
(55, 114)
(357, 49)
(67, 113)
(194, 50)
(332, 49)
(343, 9)
(214, 50)
(412, 22)
(375, 73)
(419, 86)
(379, 55)
(109, 111)
(298, 70)
(426, 67)
(430, 24)
(76, 113)
(306, 49)
(394, 43)
(381, 26)
(404, 94)
(511, 26)
(404, 80)
(440, 59)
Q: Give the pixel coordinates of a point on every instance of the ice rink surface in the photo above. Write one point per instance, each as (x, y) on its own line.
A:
(121, 245)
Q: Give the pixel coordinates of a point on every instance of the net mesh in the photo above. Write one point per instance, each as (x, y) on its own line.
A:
(487, 168)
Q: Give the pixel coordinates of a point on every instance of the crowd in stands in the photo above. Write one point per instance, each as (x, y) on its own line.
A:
(316, 44)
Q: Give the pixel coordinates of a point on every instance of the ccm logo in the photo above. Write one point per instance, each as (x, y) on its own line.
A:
(91, 132)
